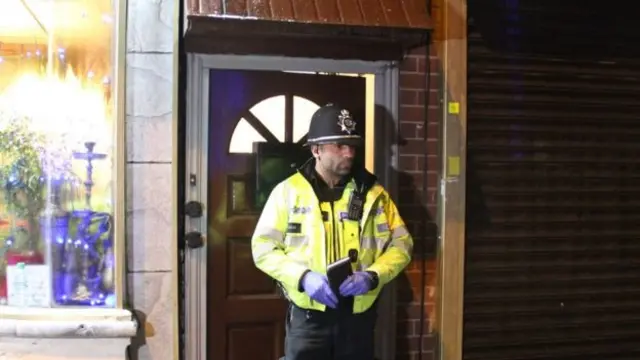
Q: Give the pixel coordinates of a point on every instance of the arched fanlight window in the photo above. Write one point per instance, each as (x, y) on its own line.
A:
(267, 121)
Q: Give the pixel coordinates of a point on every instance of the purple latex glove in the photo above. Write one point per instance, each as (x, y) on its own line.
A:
(357, 284)
(317, 287)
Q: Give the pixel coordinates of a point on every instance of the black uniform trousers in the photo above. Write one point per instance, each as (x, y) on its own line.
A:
(329, 335)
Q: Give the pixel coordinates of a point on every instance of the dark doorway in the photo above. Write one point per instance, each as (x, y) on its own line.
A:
(245, 314)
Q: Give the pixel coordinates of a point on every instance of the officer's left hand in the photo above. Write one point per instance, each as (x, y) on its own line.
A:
(357, 284)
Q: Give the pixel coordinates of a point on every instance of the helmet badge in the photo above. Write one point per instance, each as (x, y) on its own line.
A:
(346, 122)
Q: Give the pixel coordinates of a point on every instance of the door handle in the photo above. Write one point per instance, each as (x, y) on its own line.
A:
(193, 209)
(193, 240)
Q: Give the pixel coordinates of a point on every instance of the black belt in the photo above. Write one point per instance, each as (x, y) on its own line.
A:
(329, 314)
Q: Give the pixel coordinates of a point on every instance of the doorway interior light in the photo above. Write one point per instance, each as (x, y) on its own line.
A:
(324, 73)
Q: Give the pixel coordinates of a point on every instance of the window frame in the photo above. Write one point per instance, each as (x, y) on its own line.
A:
(286, 125)
(98, 322)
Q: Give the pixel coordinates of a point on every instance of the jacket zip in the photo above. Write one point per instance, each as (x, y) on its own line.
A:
(333, 231)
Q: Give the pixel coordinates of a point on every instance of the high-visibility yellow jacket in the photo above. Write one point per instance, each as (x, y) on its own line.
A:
(292, 237)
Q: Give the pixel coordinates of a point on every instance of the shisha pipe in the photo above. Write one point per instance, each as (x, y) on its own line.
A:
(88, 156)
(84, 290)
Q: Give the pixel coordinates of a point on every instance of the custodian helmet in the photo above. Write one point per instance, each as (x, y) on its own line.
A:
(333, 124)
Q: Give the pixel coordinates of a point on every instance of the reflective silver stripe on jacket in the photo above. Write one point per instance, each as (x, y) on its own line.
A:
(270, 233)
(296, 240)
(264, 247)
(397, 236)
(399, 232)
(373, 243)
(381, 243)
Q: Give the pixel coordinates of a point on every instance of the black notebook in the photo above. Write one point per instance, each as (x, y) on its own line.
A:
(337, 273)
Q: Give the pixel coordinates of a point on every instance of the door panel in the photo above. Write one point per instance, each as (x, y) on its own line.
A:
(245, 316)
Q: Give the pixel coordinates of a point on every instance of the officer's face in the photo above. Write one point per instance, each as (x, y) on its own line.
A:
(336, 158)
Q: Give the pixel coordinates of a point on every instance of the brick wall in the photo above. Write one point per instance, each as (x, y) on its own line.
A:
(417, 206)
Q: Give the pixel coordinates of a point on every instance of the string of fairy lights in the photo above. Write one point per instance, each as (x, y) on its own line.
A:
(22, 52)
(36, 55)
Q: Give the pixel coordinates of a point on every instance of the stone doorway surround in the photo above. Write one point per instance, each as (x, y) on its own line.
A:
(384, 108)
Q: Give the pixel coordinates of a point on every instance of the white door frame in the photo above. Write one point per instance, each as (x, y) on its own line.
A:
(197, 123)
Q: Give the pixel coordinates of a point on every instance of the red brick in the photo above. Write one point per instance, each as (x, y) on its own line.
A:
(415, 216)
(411, 130)
(435, 112)
(412, 80)
(404, 297)
(432, 162)
(421, 51)
(407, 328)
(434, 65)
(417, 180)
(415, 115)
(409, 195)
(433, 130)
(419, 130)
(432, 147)
(425, 237)
(411, 97)
(409, 182)
(409, 127)
(410, 345)
(419, 147)
(410, 64)
(429, 343)
(432, 267)
(434, 96)
(415, 278)
(432, 210)
(430, 306)
(412, 221)
(414, 202)
(418, 81)
(414, 147)
(411, 113)
(418, 207)
(414, 266)
(408, 162)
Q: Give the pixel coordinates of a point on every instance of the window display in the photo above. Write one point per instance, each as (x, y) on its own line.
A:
(58, 118)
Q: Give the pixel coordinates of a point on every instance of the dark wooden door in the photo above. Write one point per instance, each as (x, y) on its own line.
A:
(245, 314)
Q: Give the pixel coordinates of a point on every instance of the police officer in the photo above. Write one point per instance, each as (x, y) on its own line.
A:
(328, 210)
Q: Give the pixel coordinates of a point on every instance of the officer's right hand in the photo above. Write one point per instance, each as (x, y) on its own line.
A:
(317, 287)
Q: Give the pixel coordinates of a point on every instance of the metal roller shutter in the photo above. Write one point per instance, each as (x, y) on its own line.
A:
(553, 236)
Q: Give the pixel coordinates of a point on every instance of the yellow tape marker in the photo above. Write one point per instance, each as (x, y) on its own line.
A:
(454, 166)
(454, 108)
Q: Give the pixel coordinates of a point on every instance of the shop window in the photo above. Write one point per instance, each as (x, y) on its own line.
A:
(271, 113)
(58, 132)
